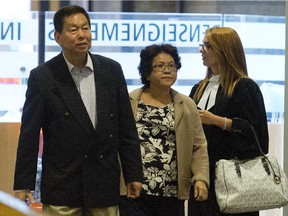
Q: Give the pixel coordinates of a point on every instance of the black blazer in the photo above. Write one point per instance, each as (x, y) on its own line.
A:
(245, 107)
(80, 163)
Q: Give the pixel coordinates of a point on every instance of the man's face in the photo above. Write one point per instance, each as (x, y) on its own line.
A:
(75, 38)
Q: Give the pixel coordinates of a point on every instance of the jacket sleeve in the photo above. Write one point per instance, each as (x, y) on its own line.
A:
(28, 144)
(129, 150)
(200, 159)
(252, 113)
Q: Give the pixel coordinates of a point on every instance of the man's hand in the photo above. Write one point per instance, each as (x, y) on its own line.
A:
(200, 191)
(134, 189)
(25, 196)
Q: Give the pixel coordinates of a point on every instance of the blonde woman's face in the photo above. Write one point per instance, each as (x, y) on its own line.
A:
(208, 54)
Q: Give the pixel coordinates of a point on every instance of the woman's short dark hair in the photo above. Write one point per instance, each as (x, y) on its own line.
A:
(64, 12)
(147, 55)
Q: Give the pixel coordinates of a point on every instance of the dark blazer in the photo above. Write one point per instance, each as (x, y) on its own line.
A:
(80, 163)
(245, 107)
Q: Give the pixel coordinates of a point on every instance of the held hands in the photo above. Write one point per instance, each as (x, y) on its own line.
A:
(134, 189)
(200, 191)
(25, 196)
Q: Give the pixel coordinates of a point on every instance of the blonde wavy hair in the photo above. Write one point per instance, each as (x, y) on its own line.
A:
(230, 54)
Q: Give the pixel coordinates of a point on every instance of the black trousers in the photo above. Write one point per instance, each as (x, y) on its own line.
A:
(147, 205)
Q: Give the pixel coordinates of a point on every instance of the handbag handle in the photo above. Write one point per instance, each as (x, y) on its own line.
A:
(257, 140)
(265, 161)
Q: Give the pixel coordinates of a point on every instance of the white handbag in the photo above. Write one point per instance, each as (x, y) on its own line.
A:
(250, 185)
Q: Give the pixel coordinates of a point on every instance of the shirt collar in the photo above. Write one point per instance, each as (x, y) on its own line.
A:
(215, 78)
(89, 63)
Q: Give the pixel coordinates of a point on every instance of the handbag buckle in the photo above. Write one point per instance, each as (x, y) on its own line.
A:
(277, 179)
(266, 163)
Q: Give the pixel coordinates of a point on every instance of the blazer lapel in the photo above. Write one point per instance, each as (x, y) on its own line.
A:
(68, 90)
(102, 73)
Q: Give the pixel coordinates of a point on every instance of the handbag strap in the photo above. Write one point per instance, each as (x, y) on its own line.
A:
(257, 140)
(265, 161)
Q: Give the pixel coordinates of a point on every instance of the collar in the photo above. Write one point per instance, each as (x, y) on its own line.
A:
(88, 64)
(215, 78)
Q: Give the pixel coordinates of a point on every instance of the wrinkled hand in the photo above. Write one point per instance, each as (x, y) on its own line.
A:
(200, 191)
(25, 196)
(134, 189)
(206, 117)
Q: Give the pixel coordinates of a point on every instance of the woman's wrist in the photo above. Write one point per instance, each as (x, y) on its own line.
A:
(225, 124)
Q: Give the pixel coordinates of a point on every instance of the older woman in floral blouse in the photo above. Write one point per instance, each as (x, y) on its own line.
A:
(173, 144)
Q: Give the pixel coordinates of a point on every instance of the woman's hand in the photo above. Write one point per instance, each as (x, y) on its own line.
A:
(200, 191)
(209, 118)
(206, 117)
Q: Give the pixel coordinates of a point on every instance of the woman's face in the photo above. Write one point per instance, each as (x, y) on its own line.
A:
(164, 71)
(209, 56)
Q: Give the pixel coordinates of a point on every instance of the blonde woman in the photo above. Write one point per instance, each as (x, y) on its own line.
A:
(228, 101)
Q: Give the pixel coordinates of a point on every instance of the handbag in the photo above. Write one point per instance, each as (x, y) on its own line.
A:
(250, 185)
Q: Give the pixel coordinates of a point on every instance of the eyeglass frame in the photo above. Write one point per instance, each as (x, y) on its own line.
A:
(205, 46)
(156, 67)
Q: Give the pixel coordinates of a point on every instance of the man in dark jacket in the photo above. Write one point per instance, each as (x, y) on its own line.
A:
(81, 103)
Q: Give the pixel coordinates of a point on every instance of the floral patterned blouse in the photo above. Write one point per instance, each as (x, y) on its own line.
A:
(156, 133)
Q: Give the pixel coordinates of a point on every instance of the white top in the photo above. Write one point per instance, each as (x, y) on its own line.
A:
(85, 83)
(209, 96)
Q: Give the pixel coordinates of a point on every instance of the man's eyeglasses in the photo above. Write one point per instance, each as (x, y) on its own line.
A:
(161, 67)
(206, 46)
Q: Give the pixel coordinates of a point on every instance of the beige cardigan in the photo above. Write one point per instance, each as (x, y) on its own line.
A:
(191, 145)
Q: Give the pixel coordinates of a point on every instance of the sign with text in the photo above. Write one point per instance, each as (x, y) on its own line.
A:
(121, 36)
